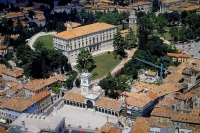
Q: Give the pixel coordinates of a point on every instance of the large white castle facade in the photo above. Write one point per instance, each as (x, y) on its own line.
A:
(94, 37)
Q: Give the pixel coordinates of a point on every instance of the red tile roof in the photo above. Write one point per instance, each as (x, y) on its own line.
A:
(13, 73)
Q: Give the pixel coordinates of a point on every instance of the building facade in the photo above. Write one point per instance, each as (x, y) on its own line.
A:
(93, 37)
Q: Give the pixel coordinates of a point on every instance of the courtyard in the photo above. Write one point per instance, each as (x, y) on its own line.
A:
(84, 118)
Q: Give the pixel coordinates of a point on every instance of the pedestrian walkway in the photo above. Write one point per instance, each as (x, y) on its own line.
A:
(118, 68)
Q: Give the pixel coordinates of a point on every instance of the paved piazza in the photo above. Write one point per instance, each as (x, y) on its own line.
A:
(88, 119)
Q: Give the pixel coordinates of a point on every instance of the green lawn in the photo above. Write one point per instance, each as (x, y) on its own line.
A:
(104, 64)
(120, 27)
(47, 40)
(167, 36)
(167, 28)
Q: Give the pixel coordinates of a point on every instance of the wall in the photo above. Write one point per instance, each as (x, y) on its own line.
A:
(9, 78)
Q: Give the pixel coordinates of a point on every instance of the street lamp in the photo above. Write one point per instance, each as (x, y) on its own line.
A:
(70, 128)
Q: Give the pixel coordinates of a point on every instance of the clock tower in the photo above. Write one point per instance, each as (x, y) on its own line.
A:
(85, 83)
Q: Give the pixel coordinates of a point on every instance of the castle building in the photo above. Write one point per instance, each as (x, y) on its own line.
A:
(93, 37)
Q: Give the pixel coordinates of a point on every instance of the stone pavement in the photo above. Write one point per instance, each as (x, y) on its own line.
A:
(86, 118)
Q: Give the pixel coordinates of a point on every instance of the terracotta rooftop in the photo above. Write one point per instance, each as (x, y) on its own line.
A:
(35, 84)
(74, 96)
(53, 79)
(41, 95)
(73, 24)
(3, 47)
(196, 111)
(109, 103)
(168, 101)
(142, 124)
(23, 23)
(173, 78)
(13, 73)
(13, 15)
(152, 95)
(138, 102)
(139, 3)
(40, 16)
(18, 103)
(169, 1)
(185, 96)
(178, 55)
(180, 50)
(2, 67)
(162, 112)
(184, 7)
(16, 86)
(139, 86)
(84, 30)
(137, 99)
(186, 118)
(166, 88)
(2, 130)
(108, 128)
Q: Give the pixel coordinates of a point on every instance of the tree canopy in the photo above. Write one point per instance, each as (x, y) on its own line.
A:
(85, 61)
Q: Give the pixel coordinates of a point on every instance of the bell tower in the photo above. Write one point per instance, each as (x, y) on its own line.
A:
(133, 20)
(85, 83)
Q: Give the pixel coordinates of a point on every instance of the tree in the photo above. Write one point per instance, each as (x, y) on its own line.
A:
(38, 46)
(174, 17)
(155, 5)
(174, 33)
(190, 34)
(85, 60)
(31, 13)
(144, 29)
(182, 33)
(119, 43)
(30, 3)
(78, 82)
(131, 39)
(109, 84)
(60, 27)
(122, 83)
(161, 22)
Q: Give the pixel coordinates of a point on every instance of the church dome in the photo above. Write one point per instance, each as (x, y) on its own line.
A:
(96, 89)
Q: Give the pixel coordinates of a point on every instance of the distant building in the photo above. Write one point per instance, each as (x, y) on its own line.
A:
(39, 19)
(179, 57)
(34, 87)
(93, 37)
(109, 127)
(13, 74)
(151, 76)
(16, 106)
(3, 50)
(141, 6)
(38, 124)
(43, 100)
(165, 4)
(137, 104)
